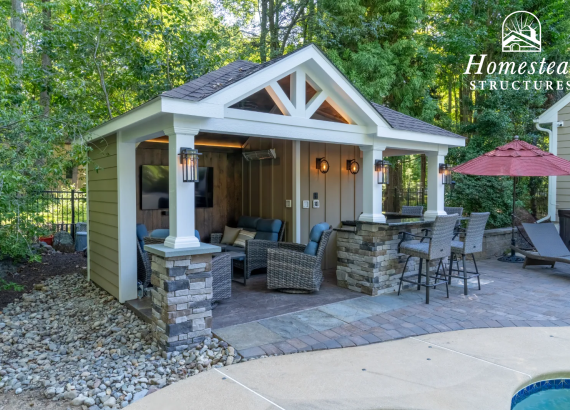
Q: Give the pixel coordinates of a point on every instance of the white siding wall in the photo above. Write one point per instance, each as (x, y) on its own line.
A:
(563, 182)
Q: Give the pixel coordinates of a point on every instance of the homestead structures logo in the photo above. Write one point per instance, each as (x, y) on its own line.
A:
(521, 33)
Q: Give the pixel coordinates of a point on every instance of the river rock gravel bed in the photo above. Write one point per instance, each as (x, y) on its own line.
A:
(75, 343)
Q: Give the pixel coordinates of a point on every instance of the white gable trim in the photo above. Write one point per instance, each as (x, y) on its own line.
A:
(289, 64)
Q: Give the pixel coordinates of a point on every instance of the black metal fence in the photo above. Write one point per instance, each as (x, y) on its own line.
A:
(537, 205)
(407, 196)
(53, 210)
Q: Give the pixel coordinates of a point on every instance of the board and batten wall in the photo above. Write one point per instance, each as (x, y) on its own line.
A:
(227, 189)
(339, 191)
(103, 215)
(268, 183)
(563, 182)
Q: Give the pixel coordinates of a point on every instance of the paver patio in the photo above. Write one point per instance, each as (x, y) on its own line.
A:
(509, 296)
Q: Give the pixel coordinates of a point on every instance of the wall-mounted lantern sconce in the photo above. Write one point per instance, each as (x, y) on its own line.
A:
(352, 166)
(445, 171)
(189, 161)
(322, 165)
(382, 168)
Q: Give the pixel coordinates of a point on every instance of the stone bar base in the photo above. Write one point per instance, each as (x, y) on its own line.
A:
(368, 259)
(181, 298)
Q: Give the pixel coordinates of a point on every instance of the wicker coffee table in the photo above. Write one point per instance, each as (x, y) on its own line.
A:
(238, 261)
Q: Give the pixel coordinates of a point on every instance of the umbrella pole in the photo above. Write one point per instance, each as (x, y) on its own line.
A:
(513, 217)
(512, 258)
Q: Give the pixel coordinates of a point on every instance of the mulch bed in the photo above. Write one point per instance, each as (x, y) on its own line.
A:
(29, 274)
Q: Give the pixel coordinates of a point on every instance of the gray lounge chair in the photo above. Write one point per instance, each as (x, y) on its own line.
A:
(549, 245)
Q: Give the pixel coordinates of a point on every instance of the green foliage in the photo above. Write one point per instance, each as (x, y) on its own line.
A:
(5, 285)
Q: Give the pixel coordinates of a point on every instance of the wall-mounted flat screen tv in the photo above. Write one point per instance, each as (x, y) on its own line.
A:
(154, 187)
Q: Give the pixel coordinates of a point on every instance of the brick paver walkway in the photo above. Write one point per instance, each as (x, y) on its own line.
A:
(510, 296)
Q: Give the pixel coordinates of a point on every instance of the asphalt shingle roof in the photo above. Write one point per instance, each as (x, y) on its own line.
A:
(400, 121)
(214, 81)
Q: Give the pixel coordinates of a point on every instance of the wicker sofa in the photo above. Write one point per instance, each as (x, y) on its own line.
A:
(290, 269)
(268, 233)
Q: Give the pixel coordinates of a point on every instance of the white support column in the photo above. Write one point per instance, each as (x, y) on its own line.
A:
(296, 191)
(181, 194)
(127, 220)
(552, 181)
(371, 190)
(436, 189)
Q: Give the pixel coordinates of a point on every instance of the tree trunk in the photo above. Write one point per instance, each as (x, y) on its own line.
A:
(273, 16)
(16, 40)
(102, 76)
(263, 34)
(46, 59)
(394, 188)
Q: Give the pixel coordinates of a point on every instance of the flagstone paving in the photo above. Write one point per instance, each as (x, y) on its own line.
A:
(509, 296)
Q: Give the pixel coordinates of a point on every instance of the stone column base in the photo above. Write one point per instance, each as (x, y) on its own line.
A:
(181, 300)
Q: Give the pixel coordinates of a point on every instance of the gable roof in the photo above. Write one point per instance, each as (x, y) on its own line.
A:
(214, 81)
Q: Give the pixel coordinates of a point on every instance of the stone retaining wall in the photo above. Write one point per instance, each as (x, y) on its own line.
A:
(181, 300)
(495, 243)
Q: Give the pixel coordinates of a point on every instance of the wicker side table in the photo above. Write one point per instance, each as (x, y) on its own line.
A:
(221, 276)
(238, 261)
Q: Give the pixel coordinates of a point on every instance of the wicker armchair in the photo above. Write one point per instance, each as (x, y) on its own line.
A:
(290, 270)
(144, 272)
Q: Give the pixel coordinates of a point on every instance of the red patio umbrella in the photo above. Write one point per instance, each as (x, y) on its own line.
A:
(515, 159)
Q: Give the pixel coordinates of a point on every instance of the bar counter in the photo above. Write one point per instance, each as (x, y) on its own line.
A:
(367, 253)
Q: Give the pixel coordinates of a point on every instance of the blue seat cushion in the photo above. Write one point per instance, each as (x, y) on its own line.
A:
(160, 233)
(267, 236)
(248, 223)
(141, 233)
(315, 238)
(163, 233)
(268, 229)
(311, 248)
(269, 225)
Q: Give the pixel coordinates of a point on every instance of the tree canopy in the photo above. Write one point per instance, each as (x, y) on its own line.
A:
(68, 65)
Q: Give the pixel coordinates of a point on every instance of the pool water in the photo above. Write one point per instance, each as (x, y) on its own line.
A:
(555, 399)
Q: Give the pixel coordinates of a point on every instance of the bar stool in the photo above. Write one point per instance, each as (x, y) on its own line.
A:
(472, 243)
(449, 210)
(413, 210)
(438, 247)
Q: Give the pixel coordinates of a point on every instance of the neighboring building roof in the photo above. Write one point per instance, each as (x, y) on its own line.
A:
(551, 114)
(214, 81)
